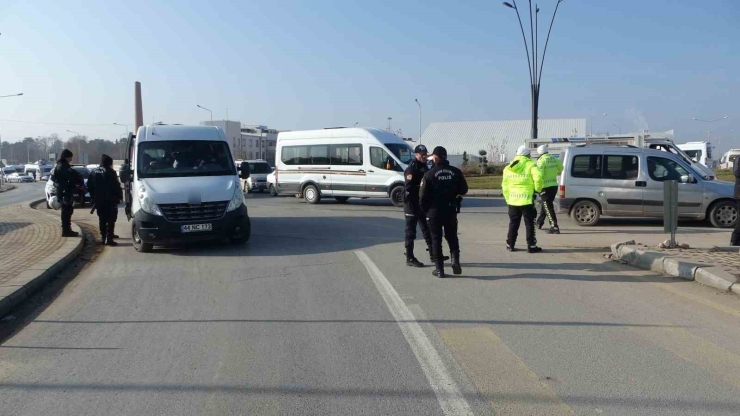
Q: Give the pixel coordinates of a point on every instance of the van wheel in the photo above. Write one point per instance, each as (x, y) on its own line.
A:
(311, 194)
(397, 196)
(724, 214)
(245, 234)
(342, 199)
(273, 191)
(138, 244)
(586, 213)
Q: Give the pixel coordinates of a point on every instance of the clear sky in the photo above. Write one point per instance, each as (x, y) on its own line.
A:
(320, 63)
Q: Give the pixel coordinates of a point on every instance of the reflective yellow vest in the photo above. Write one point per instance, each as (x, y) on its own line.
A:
(551, 167)
(522, 179)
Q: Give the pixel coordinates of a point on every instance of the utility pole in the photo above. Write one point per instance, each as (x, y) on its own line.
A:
(417, 103)
(533, 59)
(389, 123)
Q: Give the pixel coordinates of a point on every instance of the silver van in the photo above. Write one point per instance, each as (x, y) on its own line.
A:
(628, 182)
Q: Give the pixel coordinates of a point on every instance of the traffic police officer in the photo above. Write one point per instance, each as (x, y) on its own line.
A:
(105, 191)
(439, 192)
(551, 167)
(65, 179)
(414, 173)
(522, 181)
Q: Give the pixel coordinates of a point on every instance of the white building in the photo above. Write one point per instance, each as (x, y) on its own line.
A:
(259, 142)
(231, 128)
(499, 139)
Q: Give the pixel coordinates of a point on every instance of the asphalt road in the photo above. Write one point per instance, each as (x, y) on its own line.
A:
(318, 315)
(22, 193)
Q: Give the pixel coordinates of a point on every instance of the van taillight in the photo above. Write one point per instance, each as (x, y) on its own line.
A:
(561, 188)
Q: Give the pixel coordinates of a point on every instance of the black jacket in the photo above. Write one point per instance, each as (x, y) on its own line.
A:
(104, 186)
(65, 179)
(413, 174)
(736, 171)
(441, 186)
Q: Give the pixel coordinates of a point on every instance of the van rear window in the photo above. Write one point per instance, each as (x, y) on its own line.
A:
(586, 166)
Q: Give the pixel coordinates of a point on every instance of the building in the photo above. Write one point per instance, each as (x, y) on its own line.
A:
(231, 128)
(499, 139)
(259, 142)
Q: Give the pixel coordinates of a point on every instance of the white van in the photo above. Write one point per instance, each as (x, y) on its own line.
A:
(699, 152)
(728, 159)
(341, 163)
(182, 185)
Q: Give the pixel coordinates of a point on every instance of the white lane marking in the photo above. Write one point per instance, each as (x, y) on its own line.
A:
(448, 393)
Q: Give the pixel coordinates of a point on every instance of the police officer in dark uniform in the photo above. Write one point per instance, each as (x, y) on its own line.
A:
(65, 179)
(414, 173)
(439, 192)
(105, 191)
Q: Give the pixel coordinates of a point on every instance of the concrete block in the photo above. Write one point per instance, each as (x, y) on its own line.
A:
(615, 247)
(681, 268)
(715, 277)
(735, 288)
(650, 260)
(627, 254)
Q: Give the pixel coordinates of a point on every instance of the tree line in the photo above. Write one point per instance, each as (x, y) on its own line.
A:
(30, 150)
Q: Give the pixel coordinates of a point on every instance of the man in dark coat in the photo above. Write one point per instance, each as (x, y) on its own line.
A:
(106, 194)
(735, 240)
(65, 179)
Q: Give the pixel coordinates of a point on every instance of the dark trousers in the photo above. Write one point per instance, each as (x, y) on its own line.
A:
(414, 216)
(515, 219)
(443, 223)
(67, 210)
(735, 239)
(550, 193)
(107, 214)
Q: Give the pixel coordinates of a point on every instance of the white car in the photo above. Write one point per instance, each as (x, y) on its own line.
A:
(258, 171)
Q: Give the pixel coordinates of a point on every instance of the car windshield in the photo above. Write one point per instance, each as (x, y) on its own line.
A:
(403, 152)
(82, 171)
(184, 158)
(259, 168)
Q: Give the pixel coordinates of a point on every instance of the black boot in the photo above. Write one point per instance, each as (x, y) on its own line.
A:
(554, 230)
(533, 249)
(456, 269)
(109, 241)
(411, 261)
(70, 233)
(439, 271)
(510, 247)
(103, 232)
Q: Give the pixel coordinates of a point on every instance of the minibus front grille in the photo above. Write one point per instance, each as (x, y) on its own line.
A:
(188, 213)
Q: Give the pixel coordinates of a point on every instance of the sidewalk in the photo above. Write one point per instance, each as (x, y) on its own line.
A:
(32, 251)
(6, 187)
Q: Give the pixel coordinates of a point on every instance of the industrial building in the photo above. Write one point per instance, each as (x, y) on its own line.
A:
(248, 141)
(499, 139)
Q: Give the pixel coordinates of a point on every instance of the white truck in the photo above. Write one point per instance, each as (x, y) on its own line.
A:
(659, 141)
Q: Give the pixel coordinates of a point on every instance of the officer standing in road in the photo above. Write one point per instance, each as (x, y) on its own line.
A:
(522, 181)
(438, 193)
(105, 191)
(735, 240)
(414, 174)
(65, 181)
(550, 167)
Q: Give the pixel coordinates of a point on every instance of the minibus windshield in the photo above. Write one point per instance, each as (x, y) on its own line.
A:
(402, 151)
(184, 158)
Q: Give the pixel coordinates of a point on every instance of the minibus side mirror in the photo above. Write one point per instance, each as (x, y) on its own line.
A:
(244, 170)
(125, 173)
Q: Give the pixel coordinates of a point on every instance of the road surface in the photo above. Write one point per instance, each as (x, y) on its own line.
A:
(23, 192)
(318, 315)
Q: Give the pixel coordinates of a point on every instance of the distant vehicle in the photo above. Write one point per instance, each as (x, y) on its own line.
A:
(181, 184)
(628, 182)
(658, 141)
(6, 172)
(728, 159)
(699, 152)
(341, 163)
(258, 171)
(51, 190)
(19, 177)
(271, 180)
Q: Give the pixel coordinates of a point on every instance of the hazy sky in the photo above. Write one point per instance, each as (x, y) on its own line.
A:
(313, 64)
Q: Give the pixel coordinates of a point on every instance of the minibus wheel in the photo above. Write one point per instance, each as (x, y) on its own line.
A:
(311, 194)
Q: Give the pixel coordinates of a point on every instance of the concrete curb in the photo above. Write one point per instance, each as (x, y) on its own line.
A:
(21, 286)
(7, 188)
(485, 192)
(706, 274)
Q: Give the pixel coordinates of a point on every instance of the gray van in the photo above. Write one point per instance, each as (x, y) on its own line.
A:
(628, 182)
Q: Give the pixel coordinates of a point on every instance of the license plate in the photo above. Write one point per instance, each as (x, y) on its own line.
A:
(195, 228)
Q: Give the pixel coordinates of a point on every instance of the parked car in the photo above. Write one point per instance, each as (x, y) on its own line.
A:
(628, 182)
(258, 171)
(51, 190)
(19, 177)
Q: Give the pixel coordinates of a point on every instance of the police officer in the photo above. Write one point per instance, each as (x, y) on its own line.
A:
(439, 192)
(522, 181)
(550, 167)
(735, 239)
(65, 180)
(105, 191)
(414, 173)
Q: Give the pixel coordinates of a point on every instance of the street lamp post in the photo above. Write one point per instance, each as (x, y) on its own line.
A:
(709, 123)
(11, 95)
(200, 106)
(79, 145)
(389, 123)
(535, 73)
(417, 103)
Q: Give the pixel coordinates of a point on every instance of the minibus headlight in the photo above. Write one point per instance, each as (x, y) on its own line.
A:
(237, 200)
(147, 204)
